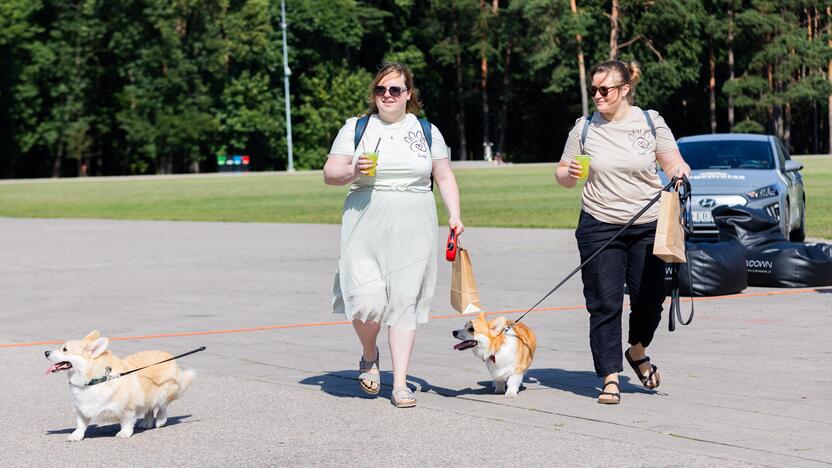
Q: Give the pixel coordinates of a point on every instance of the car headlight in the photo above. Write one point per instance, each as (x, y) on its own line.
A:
(764, 192)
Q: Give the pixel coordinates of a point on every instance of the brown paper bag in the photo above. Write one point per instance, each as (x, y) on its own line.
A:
(669, 244)
(465, 297)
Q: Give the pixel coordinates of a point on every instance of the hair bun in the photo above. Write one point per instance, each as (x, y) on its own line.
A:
(635, 72)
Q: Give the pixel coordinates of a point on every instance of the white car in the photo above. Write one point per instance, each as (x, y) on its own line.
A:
(744, 169)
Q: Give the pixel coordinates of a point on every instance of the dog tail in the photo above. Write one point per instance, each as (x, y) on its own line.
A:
(185, 379)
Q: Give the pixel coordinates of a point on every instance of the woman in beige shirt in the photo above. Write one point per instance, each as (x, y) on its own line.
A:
(624, 143)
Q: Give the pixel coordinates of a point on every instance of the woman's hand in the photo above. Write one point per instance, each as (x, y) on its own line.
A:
(364, 164)
(456, 225)
(575, 169)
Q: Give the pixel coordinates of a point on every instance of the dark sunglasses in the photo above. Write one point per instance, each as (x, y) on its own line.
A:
(604, 90)
(395, 91)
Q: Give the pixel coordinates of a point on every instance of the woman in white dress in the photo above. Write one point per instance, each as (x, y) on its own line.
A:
(389, 235)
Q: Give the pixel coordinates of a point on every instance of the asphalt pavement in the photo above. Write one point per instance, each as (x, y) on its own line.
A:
(746, 384)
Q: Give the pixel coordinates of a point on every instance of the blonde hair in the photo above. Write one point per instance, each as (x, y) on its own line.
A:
(630, 73)
(414, 105)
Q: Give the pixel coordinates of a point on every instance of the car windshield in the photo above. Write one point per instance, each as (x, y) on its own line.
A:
(727, 154)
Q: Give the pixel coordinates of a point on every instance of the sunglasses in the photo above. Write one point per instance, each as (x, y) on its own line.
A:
(604, 90)
(395, 91)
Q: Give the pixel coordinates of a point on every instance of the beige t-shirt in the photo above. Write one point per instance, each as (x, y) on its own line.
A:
(404, 158)
(623, 176)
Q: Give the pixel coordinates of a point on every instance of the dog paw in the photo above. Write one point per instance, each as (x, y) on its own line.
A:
(161, 422)
(124, 434)
(511, 393)
(75, 436)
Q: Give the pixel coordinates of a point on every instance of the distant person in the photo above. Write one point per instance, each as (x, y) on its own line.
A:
(623, 143)
(387, 268)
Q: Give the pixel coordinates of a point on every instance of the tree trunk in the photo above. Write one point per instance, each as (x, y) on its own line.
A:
(505, 99)
(460, 96)
(486, 115)
(712, 86)
(829, 75)
(614, 30)
(730, 64)
(787, 126)
(59, 157)
(581, 66)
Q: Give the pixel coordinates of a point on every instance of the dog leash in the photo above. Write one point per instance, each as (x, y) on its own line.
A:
(655, 199)
(108, 376)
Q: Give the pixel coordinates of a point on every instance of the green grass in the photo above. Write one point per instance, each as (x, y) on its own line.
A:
(509, 196)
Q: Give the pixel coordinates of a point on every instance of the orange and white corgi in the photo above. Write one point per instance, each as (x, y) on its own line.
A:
(507, 355)
(98, 392)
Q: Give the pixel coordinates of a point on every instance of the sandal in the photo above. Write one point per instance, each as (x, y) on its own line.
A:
(366, 376)
(402, 397)
(616, 396)
(645, 379)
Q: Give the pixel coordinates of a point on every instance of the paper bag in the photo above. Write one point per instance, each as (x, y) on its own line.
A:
(669, 244)
(465, 297)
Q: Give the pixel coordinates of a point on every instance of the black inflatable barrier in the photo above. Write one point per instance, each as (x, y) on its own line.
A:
(716, 269)
(771, 260)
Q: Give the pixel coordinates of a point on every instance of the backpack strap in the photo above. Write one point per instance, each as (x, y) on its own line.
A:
(587, 121)
(650, 123)
(360, 127)
(426, 131)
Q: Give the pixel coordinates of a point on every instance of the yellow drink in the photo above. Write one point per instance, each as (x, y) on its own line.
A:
(583, 160)
(374, 158)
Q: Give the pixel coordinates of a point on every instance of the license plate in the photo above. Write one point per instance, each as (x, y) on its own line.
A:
(702, 217)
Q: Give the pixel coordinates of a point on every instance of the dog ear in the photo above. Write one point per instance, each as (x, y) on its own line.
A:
(93, 335)
(97, 347)
(497, 324)
(481, 316)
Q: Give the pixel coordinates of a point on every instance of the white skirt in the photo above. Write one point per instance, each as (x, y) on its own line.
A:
(387, 269)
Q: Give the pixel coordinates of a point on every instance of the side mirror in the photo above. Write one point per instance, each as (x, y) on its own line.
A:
(792, 166)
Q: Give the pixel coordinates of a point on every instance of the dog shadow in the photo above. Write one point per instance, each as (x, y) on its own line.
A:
(344, 384)
(582, 383)
(110, 430)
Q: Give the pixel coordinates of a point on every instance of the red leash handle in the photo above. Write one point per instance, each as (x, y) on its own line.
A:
(452, 247)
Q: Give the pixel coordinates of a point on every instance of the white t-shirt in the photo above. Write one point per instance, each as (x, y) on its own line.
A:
(404, 159)
(622, 173)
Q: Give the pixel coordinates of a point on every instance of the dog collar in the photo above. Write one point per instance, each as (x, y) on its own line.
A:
(101, 379)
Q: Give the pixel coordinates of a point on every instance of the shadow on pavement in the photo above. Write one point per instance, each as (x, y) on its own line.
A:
(110, 430)
(582, 383)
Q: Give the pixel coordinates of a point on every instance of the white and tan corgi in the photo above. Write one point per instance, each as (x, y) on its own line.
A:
(507, 355)
(99, 393)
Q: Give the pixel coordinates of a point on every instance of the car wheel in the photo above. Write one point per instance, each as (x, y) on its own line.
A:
(799, 234)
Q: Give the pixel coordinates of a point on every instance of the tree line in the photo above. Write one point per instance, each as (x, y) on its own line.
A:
(109, 87)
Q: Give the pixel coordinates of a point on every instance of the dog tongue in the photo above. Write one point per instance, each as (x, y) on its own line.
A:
(52, 368)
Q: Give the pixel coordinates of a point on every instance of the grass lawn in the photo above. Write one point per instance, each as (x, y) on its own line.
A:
(509, 196)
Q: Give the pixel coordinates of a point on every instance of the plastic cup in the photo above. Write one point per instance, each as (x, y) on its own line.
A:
(583, 160)
(374, 158)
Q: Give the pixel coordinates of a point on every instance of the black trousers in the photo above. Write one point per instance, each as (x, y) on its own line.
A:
(628, 259)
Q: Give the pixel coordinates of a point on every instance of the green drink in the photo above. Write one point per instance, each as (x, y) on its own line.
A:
(583, 160)
(374, 158)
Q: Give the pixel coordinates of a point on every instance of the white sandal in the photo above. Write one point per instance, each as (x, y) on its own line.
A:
(368, 376)
(402, 397)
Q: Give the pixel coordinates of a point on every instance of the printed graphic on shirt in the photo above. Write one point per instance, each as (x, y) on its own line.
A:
(417, 142)
(641, 140)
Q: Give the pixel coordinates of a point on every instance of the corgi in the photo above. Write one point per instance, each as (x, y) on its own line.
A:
(506, 355)
(99, 392)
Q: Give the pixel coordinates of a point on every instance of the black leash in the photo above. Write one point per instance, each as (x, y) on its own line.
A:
(108, 377)
(655, 199)
(675, 312)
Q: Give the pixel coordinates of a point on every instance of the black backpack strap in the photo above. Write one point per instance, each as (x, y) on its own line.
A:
(360, 127)
(426, 131)
(650, 123)
(585, 131)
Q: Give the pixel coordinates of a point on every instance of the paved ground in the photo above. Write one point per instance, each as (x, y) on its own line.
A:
(747, 383)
